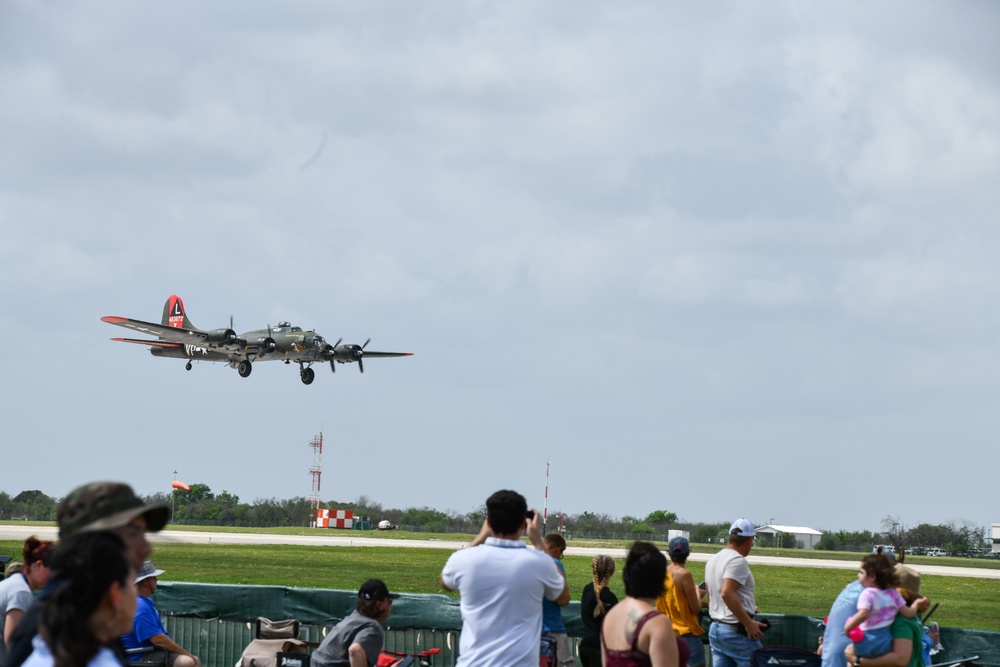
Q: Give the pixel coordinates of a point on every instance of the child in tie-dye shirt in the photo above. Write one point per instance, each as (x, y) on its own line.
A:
(877, 606)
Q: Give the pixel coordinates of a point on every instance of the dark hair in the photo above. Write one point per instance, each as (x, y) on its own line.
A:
(645, 571)
(85, 565)
(556, 540)
(367, 608)
(739, 540)
(35, 550)
(881, 569)
(506, 511)
(678, 557)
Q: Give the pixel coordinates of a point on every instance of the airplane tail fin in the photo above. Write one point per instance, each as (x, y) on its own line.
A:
(174, 315)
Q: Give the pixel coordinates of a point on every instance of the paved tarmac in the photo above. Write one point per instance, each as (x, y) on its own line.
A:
(330, 538)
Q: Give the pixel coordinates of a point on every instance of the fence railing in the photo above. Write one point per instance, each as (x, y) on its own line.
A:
(216, 622)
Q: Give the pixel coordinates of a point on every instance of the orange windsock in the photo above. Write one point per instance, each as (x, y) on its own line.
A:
(180, 485)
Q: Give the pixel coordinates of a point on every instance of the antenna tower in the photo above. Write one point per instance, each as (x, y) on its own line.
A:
(316, 471)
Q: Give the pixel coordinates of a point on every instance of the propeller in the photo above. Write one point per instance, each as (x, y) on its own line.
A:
(360, 353)
(331, 352)
(346, 354)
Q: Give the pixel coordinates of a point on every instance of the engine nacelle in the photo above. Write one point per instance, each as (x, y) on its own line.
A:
(266, 345)
(347, 353)
(220, 336)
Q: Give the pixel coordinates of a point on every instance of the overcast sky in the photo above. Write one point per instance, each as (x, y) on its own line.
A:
(721, 258)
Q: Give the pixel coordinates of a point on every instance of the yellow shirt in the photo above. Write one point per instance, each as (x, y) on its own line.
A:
(674, 604)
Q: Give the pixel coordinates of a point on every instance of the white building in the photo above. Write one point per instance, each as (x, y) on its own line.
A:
(807, 536)
(995, 535)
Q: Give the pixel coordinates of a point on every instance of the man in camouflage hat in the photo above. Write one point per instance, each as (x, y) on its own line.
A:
(110, 506)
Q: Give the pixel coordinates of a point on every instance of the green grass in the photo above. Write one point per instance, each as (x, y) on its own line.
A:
(965, 602)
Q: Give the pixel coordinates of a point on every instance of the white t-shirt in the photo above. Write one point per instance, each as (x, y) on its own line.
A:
(42, 657)
(502, 584)
(728, 564)
(15, 593)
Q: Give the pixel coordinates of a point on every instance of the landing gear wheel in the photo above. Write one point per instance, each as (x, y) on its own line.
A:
(244, 368)
(307, 375)
(187, 366)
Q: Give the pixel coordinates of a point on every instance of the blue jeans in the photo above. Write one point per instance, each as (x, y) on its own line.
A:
(697, 649)
(875, 642)
(729, 647)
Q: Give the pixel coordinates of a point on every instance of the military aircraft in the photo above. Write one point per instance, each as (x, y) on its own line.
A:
(179, 339)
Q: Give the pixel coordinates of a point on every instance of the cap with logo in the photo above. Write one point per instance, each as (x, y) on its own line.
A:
(679, 545)
(375, 589)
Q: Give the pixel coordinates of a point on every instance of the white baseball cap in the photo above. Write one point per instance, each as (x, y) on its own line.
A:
(743, 528)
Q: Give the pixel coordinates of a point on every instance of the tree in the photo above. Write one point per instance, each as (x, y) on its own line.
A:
(894, 532)
(34, 505)
(708, 532)
(591, 524)
(365, 506)
(927, 536)
(661, 518)
(6, 505)
(640, 529)
(424, 517)
(476, 517)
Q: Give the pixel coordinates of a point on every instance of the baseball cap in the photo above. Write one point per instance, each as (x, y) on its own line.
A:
(147, 571)
(106, 506)
(679, 545)
(743, 528)
(375, 589)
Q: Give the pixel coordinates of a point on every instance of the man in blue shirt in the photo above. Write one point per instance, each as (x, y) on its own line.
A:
(148, 630)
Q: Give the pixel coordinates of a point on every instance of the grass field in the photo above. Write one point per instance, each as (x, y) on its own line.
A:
(964, 602)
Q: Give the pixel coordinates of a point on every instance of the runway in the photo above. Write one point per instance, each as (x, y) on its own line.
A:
(327, 538)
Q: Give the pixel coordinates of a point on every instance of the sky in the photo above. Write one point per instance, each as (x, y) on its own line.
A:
(725, 259)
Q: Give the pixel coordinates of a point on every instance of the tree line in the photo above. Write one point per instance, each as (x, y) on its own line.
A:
(200, 506)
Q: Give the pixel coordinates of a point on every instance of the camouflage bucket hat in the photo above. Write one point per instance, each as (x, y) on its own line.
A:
(106, 506)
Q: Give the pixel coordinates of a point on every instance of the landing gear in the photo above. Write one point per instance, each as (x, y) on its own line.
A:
(187, 366)
(307, 375)
(245, 368)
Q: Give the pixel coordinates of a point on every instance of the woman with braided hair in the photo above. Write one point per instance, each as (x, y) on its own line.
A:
(597, 599)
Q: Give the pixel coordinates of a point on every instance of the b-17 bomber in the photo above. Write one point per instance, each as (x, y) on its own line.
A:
(177, 338)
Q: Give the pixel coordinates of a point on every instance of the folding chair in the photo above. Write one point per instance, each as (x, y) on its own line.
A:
(150, 655)
(276, 644)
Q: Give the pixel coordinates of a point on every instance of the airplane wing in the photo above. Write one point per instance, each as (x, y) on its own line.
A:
(151, 343)
(388, 354)
(217, 338)
(162, 331)
(350, 353)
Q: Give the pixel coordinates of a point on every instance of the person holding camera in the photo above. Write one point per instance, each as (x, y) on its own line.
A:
(502, 584)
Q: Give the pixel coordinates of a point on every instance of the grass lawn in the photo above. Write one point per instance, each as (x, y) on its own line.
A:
(964, 602)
